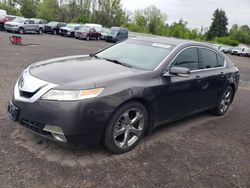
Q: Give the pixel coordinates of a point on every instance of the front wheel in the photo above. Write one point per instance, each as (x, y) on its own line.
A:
(224, 102)
(40, 31)
(21, 31)
(126, 128)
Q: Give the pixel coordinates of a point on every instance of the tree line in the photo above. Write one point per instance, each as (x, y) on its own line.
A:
(110, 13)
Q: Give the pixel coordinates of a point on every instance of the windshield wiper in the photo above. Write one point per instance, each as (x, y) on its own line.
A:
(118, 62)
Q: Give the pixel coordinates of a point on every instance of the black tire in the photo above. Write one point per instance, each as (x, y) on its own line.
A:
(54, 32)
(220, 109)
(21, 31)
(40, 31)
(118, 143)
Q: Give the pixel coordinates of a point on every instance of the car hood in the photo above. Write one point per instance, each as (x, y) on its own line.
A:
(79, 72)
(13, 23)
(66, 28)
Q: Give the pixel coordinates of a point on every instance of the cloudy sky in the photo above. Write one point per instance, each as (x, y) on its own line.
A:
(197, 12)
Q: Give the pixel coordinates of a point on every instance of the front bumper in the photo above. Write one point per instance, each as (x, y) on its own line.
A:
(82, 122)
(13, 29)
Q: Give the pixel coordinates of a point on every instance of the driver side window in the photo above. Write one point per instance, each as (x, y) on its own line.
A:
(188, 59)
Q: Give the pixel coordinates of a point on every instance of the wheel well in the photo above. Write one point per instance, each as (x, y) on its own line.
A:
(148, 108)
(233, 87)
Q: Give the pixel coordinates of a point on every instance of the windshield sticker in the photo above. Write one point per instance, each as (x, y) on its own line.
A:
(161, 45)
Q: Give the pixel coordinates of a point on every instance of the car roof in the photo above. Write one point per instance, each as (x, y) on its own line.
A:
(168, 40)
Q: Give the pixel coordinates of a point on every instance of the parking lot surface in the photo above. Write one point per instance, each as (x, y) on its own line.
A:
(200, 151)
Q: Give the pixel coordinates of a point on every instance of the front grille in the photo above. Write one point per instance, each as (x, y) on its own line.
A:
(47, 28)
(26, 94)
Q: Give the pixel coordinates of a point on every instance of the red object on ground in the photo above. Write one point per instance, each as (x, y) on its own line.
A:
(16, 40)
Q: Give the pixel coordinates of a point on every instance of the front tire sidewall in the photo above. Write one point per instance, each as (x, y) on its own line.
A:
(21, 31)
(109, 142)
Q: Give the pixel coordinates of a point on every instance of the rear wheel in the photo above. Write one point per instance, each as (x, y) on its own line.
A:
(126, 127)
(21, 31)
(224, 102)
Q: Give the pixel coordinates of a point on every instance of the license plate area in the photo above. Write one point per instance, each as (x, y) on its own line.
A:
(13, 111)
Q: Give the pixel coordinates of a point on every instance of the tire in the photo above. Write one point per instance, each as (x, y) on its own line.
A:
(87, 38)
(21, 31)
(126, 128)
(224, 102)
(98, 38)
(40, 31)
(54, 32)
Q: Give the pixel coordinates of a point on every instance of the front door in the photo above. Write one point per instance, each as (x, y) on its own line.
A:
(179, 96)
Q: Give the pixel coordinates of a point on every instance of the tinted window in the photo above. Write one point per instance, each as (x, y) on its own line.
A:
(188, 58)
(220, 61)
(31, 22)
(208, 58)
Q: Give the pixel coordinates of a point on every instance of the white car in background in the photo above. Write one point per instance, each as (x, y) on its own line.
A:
(246, 52)
(238, 51)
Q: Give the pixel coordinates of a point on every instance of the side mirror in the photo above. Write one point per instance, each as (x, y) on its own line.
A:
(178, 71)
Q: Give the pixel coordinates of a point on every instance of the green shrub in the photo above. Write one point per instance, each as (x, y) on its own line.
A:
(227, 41)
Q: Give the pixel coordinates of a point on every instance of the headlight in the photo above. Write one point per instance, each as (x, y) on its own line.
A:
(62, 95)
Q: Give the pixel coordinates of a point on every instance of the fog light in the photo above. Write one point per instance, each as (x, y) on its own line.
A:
(56, 132)
(59, 137)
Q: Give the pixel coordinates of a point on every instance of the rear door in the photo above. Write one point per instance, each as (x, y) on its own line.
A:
(213, 78)
(31, 26)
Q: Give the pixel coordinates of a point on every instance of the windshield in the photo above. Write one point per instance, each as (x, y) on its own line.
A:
(113, 32)
(85, 28)
(52, 23)
(137, 54)
(70, 26)
(18, 20)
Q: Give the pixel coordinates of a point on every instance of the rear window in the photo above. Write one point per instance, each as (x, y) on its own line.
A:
(138, 54)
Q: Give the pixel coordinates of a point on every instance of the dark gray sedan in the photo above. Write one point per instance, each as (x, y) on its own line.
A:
(114, 96)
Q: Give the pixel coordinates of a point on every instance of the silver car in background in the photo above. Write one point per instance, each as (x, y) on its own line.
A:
(41, 24)
(22, 25)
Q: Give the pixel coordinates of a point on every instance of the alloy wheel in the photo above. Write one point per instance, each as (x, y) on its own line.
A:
(226, 100)
(128, 128)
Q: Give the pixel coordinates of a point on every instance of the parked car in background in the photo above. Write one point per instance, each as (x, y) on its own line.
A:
(87, 33)
(97, 27)
(54, 27)
(117, 34)
(22, 25)
(69, 30)
(3, 14)
(237, 51)
(41, 24)
(227, 49)
(114, 96)
(246, 52)
(104, 33)
(8, 18)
